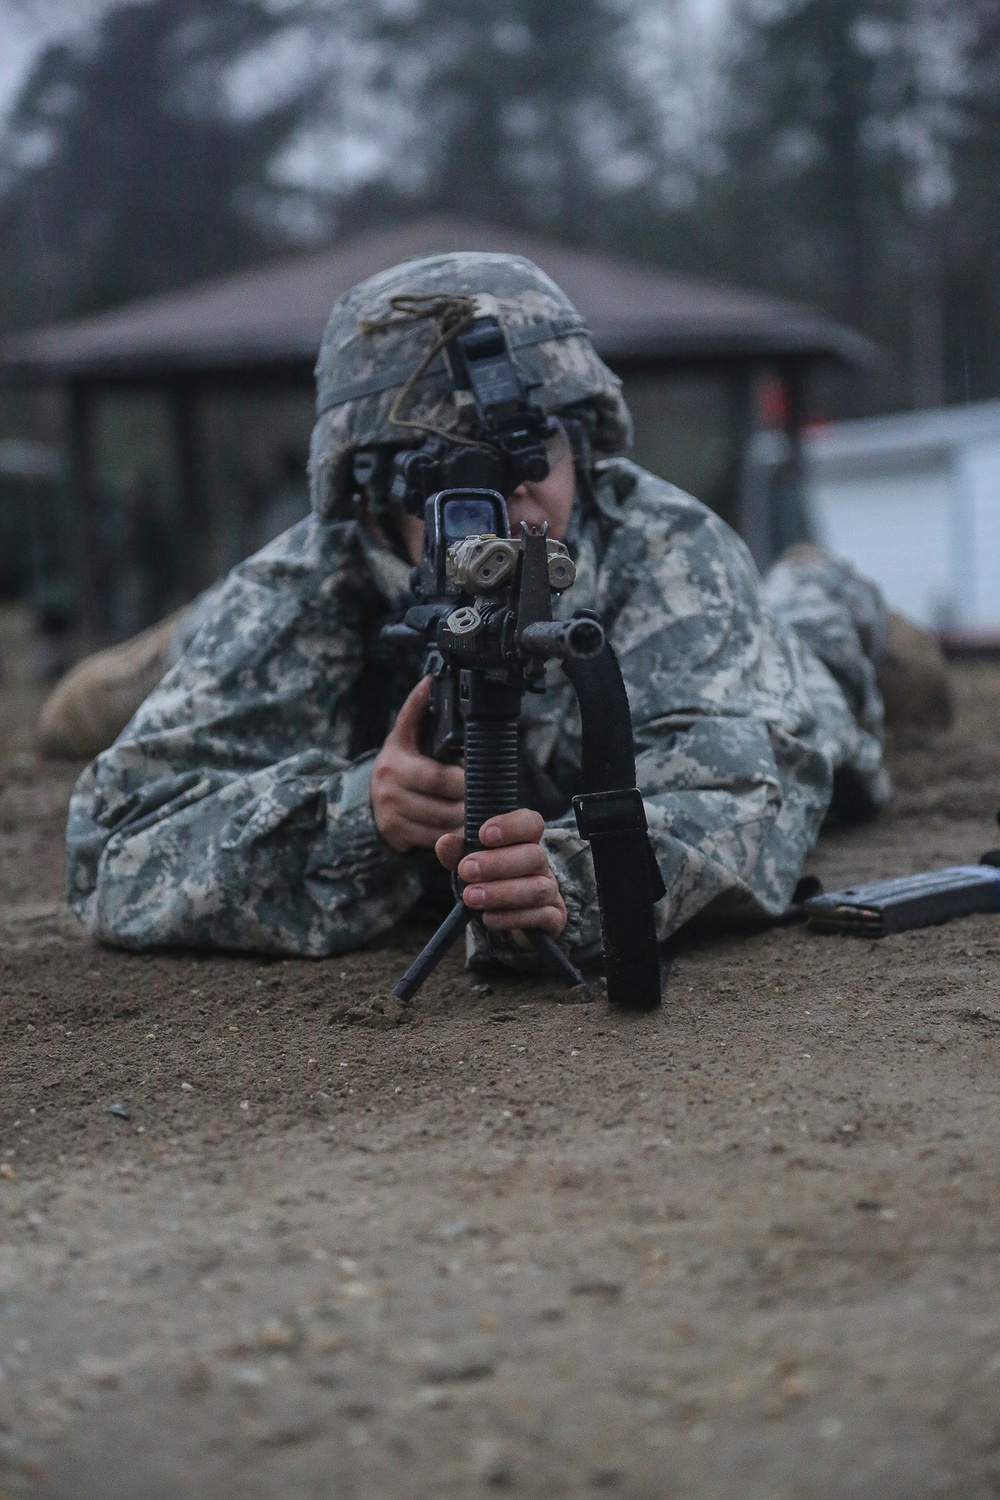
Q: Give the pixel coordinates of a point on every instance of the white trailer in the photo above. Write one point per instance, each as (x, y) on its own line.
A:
(914, 502)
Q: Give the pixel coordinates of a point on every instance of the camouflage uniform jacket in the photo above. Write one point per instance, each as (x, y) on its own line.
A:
(233, 810)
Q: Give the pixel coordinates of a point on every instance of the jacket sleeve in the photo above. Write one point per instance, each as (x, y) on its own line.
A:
(228, 814)
(738, 728)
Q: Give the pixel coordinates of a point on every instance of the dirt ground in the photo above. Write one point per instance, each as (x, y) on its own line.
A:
(746, 1248)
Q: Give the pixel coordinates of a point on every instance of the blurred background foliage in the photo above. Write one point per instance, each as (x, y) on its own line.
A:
(845, 152)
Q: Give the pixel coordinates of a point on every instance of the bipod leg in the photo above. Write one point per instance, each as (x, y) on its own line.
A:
(432, 953)
(555, 959)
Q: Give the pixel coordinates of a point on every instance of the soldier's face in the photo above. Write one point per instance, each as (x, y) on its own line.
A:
(550, 499)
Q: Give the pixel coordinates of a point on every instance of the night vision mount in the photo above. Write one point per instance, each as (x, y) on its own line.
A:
(501, 437)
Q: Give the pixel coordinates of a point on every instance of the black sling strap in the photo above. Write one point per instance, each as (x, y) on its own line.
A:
(610, 815)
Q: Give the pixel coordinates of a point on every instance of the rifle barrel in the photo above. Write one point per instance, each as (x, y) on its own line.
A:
(564, 639)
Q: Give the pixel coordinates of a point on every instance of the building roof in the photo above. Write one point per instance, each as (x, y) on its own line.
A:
(913, 440)
(275, 314)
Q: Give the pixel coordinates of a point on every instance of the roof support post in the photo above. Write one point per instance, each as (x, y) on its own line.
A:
(193, 512)
(83, 496)
(772, 509)
(727, 500)
(789, 516)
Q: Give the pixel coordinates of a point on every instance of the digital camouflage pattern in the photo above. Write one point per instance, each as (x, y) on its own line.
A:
(228, 814)
(560, 371)
(233, 810)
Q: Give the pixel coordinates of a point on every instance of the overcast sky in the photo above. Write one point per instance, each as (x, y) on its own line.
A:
(27, 25)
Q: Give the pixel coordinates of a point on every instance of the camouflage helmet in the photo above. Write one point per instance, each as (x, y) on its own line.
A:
(371, 350)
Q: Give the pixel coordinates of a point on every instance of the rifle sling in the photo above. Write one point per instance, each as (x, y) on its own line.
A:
(611, 816)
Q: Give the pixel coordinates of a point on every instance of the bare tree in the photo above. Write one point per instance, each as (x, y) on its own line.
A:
(125, 168)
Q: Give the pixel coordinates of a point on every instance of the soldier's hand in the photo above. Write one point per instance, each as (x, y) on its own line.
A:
(414, 798)
(510, 882)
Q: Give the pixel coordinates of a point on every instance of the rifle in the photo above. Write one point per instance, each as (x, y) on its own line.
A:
(484, 615)
(484, 612)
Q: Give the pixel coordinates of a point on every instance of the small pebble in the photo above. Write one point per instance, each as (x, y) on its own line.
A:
(605, 1291)
(490, 1463)
(118, 1109)
(475, 1360)
(195, 1379)
(275, 1334)
(98, 1372)
(433, 1397)
(7, 1171)
(579, 994)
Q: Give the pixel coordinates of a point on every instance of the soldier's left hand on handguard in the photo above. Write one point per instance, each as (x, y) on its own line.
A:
(509, 883)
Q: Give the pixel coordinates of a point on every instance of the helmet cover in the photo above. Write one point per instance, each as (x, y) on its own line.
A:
(370, 352)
